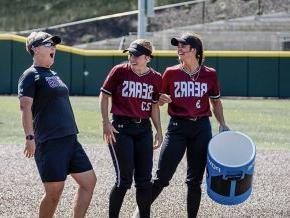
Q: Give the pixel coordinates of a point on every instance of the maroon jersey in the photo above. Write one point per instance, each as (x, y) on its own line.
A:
(132, 94)
(190, 94)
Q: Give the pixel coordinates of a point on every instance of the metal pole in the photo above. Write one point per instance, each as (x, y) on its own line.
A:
(122, 42)
(142, 19)
(203, 12)
(260, 12)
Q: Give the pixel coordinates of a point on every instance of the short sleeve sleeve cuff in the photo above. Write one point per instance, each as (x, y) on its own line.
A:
(106, 91)
(26, 85)
(215, 96)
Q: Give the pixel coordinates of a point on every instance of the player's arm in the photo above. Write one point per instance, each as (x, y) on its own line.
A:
(217, 110)
(108, 129)
(155, 116)
(26, 116)
(164, 98)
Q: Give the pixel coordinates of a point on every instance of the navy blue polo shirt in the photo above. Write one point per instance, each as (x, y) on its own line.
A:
(51, 109)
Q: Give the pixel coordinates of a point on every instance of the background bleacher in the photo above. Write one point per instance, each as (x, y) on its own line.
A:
(224, 24)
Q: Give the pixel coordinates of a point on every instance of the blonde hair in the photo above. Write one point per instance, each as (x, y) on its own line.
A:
(144, 42)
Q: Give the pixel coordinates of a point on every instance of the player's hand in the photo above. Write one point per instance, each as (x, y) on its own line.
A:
(29, 149)
(163, 99)
(223, 128)
(157, 140)
(108, 133)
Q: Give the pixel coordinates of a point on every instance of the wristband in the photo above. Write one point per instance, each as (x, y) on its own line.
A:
(29, 137)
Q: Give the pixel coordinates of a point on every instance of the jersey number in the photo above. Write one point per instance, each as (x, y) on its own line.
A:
(197, 104)
(145, 106)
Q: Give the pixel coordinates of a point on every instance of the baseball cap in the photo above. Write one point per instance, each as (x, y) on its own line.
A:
(36, 39)
(195, 42)
(138, 50)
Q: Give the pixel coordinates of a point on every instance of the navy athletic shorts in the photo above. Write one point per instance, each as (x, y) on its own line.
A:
(56, 158)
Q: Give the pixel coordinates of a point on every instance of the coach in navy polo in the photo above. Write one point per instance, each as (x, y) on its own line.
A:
(50, 128)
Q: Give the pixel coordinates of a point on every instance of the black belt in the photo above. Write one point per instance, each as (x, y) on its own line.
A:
(128, 119)
(187, 118)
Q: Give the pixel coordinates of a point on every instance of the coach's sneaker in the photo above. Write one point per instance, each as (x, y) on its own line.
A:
(136, 213)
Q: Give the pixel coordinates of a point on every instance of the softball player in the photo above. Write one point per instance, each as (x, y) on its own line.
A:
(50, 128)
(134, 89)
(188, 88)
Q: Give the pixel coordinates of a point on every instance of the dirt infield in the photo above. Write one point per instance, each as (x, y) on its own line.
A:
(21, 189)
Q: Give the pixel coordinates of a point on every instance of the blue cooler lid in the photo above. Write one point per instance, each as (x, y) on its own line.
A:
(232, 149)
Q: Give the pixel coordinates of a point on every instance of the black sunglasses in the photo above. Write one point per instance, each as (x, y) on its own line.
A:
(47, 44)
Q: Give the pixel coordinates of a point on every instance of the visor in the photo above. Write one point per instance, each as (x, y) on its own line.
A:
(138, 50)
(186, 40)
(55, 39)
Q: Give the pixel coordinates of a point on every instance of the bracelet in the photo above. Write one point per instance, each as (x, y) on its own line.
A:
(29, 137)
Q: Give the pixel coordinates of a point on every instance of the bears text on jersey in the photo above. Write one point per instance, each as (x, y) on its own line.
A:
(137, 90)
(189, 89)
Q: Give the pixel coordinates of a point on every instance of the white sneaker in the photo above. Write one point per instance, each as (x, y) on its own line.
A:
(136, 213)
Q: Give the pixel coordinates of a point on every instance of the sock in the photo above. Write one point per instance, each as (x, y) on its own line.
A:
(193, 200)
(116, 199)
(143, 198)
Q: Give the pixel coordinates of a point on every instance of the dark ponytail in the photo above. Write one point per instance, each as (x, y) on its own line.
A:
(199, 48)
(199, 56)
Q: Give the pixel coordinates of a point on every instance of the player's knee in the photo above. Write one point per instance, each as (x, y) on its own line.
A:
(124, 185)
(194, 186)
(193, 182)
(53, 196)
(86, 180)
(143, 184)
(89, 187)
(92, 180)
(163, 177)
(161, 182)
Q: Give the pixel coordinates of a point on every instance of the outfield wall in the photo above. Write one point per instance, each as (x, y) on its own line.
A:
(241, 73)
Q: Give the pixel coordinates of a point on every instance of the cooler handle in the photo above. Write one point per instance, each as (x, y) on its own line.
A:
(236, 176)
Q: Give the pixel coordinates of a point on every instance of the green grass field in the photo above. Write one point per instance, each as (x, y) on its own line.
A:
(267, 122)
